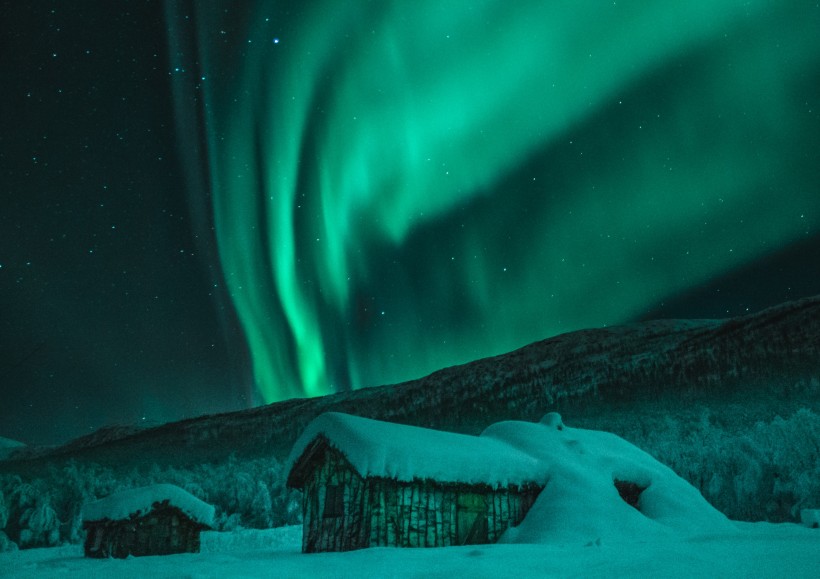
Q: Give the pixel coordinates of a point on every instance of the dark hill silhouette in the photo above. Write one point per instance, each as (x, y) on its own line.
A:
(772, 355)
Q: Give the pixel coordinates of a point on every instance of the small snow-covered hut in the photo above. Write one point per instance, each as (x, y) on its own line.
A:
(155, 520)
(368, 483)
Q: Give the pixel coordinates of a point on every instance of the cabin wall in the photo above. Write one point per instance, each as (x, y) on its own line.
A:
(328, 529)
(161, 532)
(427, 514)
(411, 515)
(342, 511)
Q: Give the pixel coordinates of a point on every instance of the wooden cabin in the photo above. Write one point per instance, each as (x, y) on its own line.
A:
(368, 483)
(155, 520)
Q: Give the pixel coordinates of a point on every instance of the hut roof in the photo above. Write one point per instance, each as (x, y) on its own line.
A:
(397, 451)
(140, 501)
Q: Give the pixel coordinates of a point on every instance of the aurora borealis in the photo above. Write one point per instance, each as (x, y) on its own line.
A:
(287, 199)
(400, 187)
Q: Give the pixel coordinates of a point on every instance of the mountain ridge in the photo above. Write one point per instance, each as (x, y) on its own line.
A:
(768, 354)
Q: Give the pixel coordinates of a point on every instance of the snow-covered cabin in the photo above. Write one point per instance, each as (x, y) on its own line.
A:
(368, 483)
(154, 520)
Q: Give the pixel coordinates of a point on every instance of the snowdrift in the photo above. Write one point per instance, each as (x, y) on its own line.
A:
(581, 501)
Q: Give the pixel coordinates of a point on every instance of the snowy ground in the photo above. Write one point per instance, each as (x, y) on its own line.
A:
(755, 550)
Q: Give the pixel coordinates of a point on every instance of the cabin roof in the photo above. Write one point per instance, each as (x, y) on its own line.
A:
(140, 501)
(397, 451)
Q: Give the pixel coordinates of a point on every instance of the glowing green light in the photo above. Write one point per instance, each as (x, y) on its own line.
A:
(490, 173)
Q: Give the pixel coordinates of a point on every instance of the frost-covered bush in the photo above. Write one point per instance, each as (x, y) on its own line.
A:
(226, 522)
(4, 512)
(768, 472)
(78, 485)
(39, 525)
(196, 489)
(28, 518)
(286, 504)
(6, 544)
(261, 507)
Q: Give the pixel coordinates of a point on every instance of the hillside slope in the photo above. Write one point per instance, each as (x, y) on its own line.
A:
(769, 356)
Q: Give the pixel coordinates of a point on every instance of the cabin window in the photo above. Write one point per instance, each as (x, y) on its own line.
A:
(334, 501)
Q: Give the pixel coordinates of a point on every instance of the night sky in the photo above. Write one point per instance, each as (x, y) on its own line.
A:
(210, 205)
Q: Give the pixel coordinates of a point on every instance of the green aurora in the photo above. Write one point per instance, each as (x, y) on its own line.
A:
(403, 186)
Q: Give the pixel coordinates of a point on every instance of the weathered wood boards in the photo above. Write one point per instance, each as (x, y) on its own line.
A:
(163, 531)
(343, 510)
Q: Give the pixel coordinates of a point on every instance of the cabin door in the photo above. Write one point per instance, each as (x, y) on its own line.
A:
(471, 521)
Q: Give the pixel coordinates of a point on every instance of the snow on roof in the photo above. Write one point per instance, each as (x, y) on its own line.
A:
(579, 468)
(387, 450)
(139, 501)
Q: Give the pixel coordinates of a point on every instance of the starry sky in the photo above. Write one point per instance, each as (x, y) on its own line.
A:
(209, 206)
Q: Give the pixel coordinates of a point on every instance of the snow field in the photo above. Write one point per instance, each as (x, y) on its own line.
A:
(753, 550)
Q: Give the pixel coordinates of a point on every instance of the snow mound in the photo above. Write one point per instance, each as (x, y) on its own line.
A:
(582, 501)
(139, 501)
(396, 451)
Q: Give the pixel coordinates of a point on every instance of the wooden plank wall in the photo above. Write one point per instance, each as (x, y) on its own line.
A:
(163, 531)
(384, 512)
(342, 533)
(411, 514)
(424, 514)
